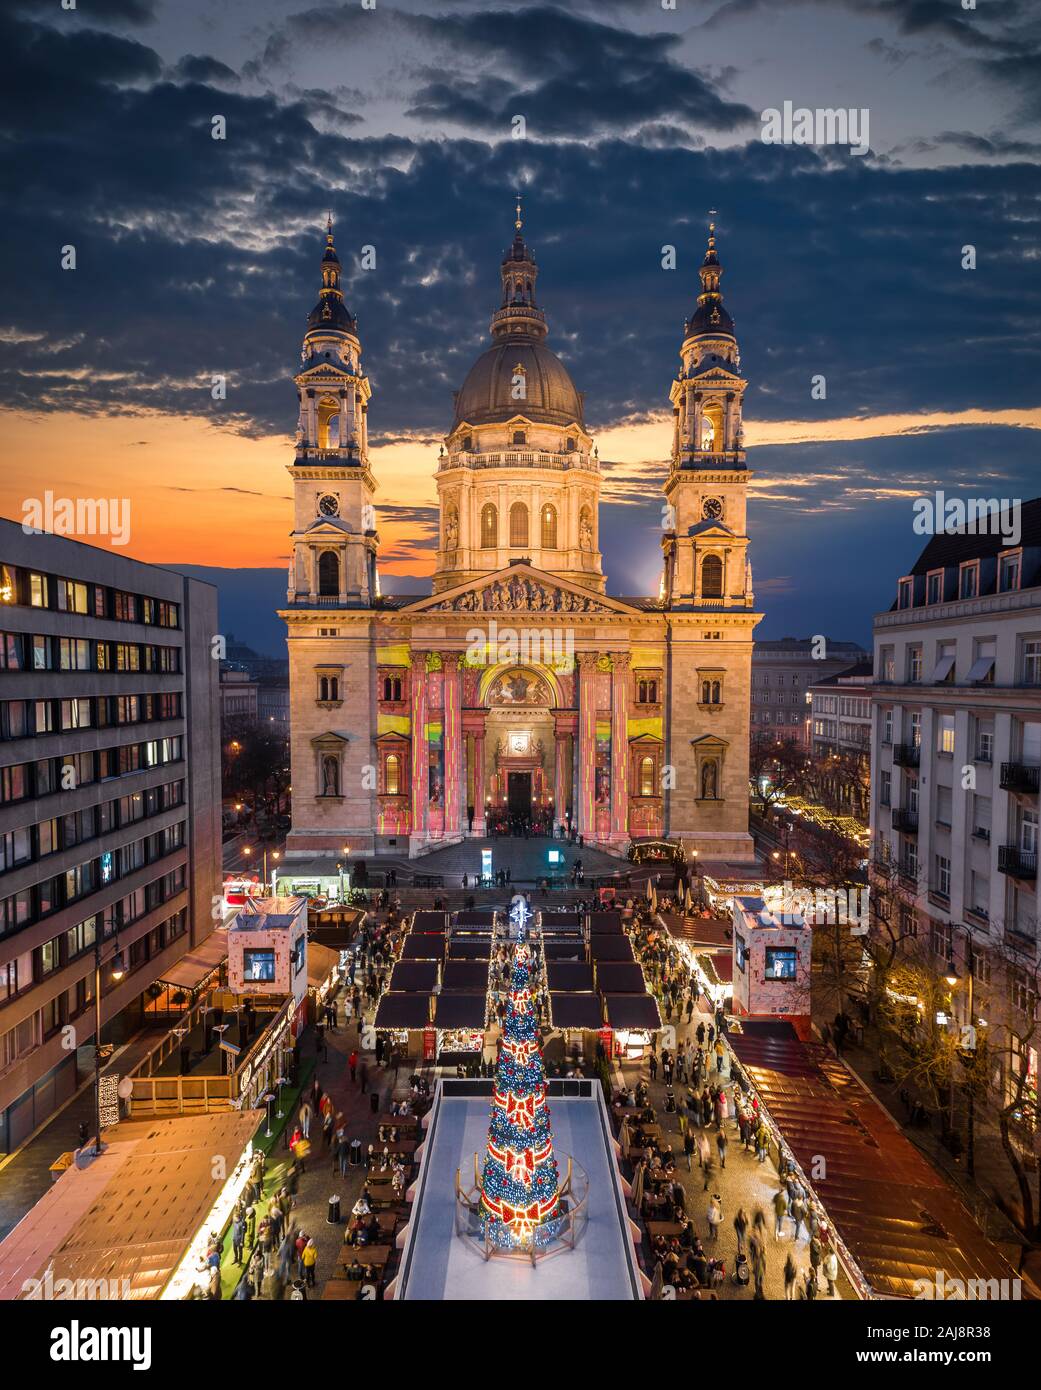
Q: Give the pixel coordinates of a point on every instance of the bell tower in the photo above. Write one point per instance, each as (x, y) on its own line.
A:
(705, 541)
(334, 534)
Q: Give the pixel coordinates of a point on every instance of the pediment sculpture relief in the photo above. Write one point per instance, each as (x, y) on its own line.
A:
(519, 595)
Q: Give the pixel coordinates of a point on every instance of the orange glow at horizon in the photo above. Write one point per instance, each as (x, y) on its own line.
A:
(205, 495)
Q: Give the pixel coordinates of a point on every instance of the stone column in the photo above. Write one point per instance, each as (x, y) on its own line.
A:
(342, 440)
(560, 786)
(352, 424)
(454, 748)
(420, 756)
(585, 792)
(620, 746)
(312, 419)
(480, 821)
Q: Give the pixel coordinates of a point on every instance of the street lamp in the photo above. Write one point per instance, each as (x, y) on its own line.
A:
(117, 970)
(953, 979)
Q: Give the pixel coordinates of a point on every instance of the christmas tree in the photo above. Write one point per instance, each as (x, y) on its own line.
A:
(519, 1190)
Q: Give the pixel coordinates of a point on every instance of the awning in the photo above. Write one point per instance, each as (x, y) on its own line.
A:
(611, 948)
(414, 976)
(569, 976)
(619, 977)
(980, 668)
(321, 962)
(605, 923)
(461, 1010)
(943, 669)
(198, 963)
(423, 948)
(471, 975)
(403, 1011)
(894, 1213)
(632, 1011)
(575, 1011)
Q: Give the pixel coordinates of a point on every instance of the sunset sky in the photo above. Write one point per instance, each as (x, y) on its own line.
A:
(197, 257)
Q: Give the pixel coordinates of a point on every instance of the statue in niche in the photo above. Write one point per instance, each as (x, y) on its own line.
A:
(451, 532)
(330, 777)
(585, 533)
(708, 781)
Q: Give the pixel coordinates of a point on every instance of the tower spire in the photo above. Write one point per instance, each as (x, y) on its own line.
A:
(517, 312)
(710, 316)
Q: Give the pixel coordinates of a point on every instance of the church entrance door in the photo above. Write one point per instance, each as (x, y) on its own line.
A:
(518, 798)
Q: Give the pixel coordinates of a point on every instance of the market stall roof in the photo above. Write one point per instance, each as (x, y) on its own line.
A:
(697, 930)
(560, 921)
(461, 1010)
(718, 966)
(569, 976)
(201, 961)
(321, 962)
(476, 917)
(403, 1011)
(611, 948)
(632, 1011)
(605, 923)
(423, 948)
(575, 1011)
(619, 977)
(413, 977)
(429, 922)
(896, 1215)
(469, 950)
(469, 975)
(131, 1213)
(564, 950)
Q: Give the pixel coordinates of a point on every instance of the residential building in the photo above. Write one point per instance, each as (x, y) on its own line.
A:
(956, 762)
(783, 671)
(109, 800)
(840, 739)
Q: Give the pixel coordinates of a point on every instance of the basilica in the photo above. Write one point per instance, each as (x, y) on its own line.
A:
(519, 692)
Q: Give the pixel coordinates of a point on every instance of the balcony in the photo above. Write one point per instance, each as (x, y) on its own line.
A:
(906, 821)
(1020, 777)
(1016, 862)
(907, 754)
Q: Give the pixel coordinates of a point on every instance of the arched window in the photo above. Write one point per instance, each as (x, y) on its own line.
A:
(571, 446)
(519, 437)
(328, 573)
(549, 528)
(646, 776)
(518, 524)
(489, 527)
(712, 577)
(328, 688)
(717, 691)
(392, 781)
(328, 422)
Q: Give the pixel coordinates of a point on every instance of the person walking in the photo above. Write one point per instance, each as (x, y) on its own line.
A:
(758, 1262)
(831, 1271)
(688, 1147)
(352, 1062)
(653, 1064)
(305, 1120)
(780, 1212)
(741, 1229)
(816, 1254)
(798, 1213)
(790, 1273)
(721, 1145)
(308, 1260)
(238, 1236)
(714, 1215)
(720, 1051)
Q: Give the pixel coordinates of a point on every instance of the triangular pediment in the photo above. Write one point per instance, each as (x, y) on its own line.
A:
(326, 527)
(519, 588)
(711, 530)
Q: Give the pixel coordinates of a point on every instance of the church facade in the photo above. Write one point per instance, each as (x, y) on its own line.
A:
(519, 690)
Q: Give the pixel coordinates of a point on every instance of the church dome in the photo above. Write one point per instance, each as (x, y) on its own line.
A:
(518, 328)
(487, 396)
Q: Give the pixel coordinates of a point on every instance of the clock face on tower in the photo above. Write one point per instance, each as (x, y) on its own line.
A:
(328, 505)
(712, 509)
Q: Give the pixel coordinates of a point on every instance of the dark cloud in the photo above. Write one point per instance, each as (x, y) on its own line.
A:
(92, 11)
(567, 75)
(195, 68)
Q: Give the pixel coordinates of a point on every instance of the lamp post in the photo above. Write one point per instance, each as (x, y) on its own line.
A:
(116, 974)
(953, 979)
